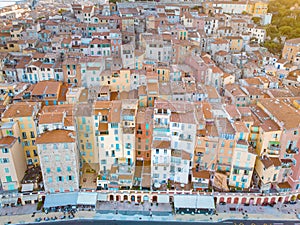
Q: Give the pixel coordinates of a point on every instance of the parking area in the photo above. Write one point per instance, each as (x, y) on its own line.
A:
(18, 210)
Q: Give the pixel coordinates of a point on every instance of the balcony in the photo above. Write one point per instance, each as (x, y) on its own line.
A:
(161, 112)
(200, 154)
(274, 147)
(182, 138)
(292, 150)
(161, 125)
(286, 165)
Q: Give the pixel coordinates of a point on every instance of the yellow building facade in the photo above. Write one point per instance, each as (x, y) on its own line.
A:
(25, 114)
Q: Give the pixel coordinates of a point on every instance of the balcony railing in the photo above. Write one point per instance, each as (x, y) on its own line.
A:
(161, 125)
(292, 150)
(274, 148)
(185, 139)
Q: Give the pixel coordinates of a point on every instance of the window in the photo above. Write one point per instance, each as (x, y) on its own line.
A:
(236, 171)
(48, 170)
(60, 178)
(8, 179)
(57, 158)
(58, 169)
(6, 170)
(4, 150)
(24, 135)
(50, 180)
(55, 146)
(69, 177)
(4, 160)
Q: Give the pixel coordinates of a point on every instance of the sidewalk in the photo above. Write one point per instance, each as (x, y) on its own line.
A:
(27, 218)
(258, 213)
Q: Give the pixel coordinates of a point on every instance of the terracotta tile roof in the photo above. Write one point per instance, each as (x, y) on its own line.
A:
(284, 185)
(100, 41)
(69, 121)
(201, 174)
(293, 41)
(68, 108)
(20, 109)
(161, 144)
(48, 118)
(46, 88)
(7, 141)
(56, 136)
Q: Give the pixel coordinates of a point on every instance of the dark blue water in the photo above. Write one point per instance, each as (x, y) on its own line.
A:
(113, 222)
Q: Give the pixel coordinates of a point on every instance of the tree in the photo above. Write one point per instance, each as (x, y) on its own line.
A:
(285, 30)
(256, 20)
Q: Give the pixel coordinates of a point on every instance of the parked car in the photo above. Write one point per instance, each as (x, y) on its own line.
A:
(293, 202)
(222, 203)
(38, 219)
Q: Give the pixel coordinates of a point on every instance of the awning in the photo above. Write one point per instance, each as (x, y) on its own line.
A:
(194, 202)
(87, 198)
(27, 187)
(102, 197)
(61, 199)
(163, 199)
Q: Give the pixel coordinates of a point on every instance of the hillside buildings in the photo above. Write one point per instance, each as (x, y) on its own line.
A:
(147, 96)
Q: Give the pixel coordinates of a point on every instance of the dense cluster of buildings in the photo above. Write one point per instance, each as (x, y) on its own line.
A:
(146, 95)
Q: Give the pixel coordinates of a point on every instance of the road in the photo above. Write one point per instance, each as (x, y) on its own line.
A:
(227, 222)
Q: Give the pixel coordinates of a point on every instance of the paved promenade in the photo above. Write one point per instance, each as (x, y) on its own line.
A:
(278, 212)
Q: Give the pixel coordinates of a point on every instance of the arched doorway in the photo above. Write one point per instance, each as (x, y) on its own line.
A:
(229, 200)
(298, 196)
(251, 201)
(171, 199)
(215, 199)
(146, 198)
(236, 200)
(118, 198)
(286, 199)
(280, 199)
(125, 197)
(111, 198)
(222, 199)
(273, 200)
(258, 202)
(154, 198)
(244, 200)
(132, 198)
(293, 198)
(266, 201)
(139, 198)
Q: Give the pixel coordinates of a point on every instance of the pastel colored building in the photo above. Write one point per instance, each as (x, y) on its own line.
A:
(12, 163)
(25, 113)
(59, 160)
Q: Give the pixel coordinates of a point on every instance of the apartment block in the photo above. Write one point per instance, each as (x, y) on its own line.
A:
(59, 160)
(25, 113)
(12, 163)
